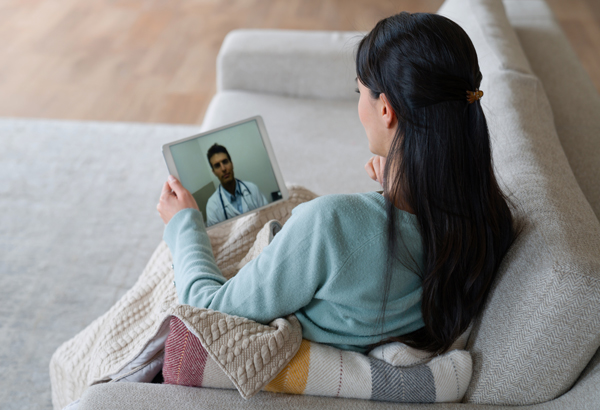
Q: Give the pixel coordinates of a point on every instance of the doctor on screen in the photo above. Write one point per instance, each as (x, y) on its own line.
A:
(234, 196)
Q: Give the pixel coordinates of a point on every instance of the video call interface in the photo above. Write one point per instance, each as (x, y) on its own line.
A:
(228, 172)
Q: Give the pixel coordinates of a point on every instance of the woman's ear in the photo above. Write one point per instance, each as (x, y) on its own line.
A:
(387, 112)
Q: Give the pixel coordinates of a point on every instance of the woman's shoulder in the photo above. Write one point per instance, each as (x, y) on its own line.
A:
(367, 207)
(339, 204)
(345, 214)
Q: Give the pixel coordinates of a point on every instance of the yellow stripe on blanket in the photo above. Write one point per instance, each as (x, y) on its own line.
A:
(292, 379)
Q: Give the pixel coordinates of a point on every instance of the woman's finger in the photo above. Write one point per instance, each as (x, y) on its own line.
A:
(379, 166)
(166, 190)
(370, 170)
(184, 197)
(175, 186)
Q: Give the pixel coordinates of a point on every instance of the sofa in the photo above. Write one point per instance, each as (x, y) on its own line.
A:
(536, 342)
(81, 220)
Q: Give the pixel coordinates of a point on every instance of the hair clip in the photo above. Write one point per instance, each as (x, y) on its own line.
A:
(473, 96)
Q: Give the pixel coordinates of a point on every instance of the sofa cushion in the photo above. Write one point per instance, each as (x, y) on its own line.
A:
(541, 324)
(146, 396)
(319, 144)
(133, 396)
(307, 64)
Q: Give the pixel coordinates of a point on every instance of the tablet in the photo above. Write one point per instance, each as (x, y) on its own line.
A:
(230, 171)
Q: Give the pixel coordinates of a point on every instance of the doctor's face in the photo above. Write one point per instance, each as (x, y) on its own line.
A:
(222, 167)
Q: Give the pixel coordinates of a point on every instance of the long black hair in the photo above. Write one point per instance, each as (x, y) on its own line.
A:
(439, 166)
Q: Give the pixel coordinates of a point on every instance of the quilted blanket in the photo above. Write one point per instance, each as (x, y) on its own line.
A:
(392, 372)
(128, 342)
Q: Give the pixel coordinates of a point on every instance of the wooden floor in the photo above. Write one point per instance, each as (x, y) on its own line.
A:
(154, 60)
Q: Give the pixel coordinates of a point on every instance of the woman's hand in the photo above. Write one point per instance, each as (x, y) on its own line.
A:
(375, 167)
(174, 198)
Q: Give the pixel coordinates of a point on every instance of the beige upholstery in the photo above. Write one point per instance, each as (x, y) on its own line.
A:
(568, 86)
(266, 61)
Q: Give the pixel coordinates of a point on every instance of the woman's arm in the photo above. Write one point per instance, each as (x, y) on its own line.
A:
(187, 238)
(197, 275)
(282, 280)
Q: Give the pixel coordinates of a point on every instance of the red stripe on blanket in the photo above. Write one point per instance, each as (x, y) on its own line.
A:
(185, 357)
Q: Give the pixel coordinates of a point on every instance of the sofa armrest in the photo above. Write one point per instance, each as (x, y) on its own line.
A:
(308, 64)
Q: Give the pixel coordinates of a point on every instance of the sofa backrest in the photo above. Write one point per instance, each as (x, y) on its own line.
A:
(541, 324)
(574, 99)
(317, 64)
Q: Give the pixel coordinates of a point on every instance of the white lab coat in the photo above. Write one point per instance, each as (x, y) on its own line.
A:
(219, 208)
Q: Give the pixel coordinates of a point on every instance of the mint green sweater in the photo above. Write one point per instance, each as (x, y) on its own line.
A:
(326, 265)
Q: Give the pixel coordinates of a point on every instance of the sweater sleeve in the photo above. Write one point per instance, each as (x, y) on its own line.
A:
(280, 281)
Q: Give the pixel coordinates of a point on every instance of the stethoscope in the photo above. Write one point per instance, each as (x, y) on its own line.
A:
(221, 196)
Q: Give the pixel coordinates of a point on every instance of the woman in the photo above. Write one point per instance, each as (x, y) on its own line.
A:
(414, 264)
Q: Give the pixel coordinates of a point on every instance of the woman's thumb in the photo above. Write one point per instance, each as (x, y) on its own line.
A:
(175, 185)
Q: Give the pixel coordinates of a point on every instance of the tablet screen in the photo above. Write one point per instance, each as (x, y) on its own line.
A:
(228, 171)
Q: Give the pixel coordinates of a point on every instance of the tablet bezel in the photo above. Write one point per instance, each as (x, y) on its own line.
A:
(166, 150)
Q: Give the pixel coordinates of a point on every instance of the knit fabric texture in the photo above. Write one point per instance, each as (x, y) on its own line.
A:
(392, 372)
(107, 348)
(325, 266)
